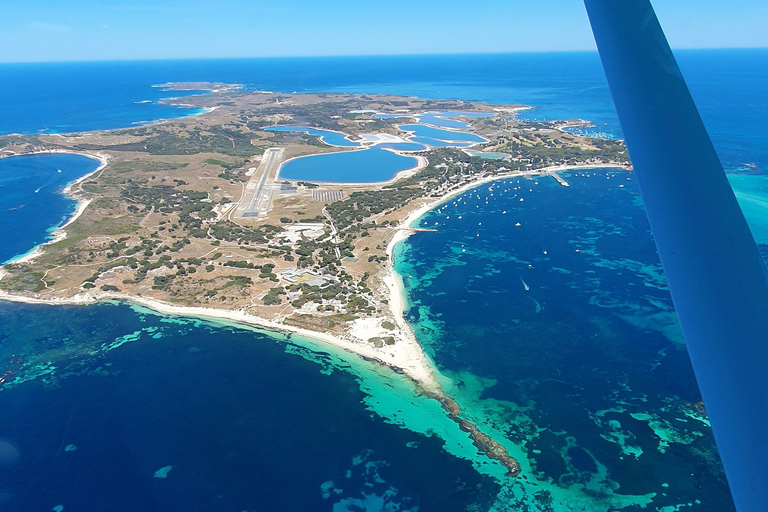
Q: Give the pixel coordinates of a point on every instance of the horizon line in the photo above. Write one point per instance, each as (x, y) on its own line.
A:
(365, 55)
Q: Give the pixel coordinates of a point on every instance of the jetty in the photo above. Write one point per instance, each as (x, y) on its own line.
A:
(559, 179)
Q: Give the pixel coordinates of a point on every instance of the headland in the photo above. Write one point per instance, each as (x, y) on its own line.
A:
(191, 217)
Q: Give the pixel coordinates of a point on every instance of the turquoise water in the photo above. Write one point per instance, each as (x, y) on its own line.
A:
(329, 137)
(115, 408)
(552, 318)
(31, 202)
(370, 165)
(752, 193)
(583, 375)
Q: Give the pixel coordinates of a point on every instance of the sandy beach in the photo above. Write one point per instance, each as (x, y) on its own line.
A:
(394, 281)
(404, 230)
(406, 355)
(361, 337)
(82, 203)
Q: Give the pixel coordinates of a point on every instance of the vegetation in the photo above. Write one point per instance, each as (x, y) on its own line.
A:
(273, 296)
(155, 221)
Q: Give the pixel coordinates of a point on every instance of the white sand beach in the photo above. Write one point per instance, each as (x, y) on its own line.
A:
(82, 203)
(405, 355)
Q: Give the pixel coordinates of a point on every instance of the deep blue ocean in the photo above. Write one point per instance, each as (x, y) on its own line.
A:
(728, 86)
(558, 335)
(553, 318)
(32, 203)
(235, 420)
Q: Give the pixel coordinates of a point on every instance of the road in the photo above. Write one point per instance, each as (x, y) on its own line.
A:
(334, 234)
(256, 184)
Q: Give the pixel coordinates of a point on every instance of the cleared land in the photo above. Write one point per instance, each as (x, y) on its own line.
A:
(180, 220)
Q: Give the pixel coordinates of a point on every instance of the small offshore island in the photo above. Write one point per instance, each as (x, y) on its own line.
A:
(192, 217)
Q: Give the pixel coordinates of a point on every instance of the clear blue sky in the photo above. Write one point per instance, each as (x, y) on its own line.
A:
(55, 30)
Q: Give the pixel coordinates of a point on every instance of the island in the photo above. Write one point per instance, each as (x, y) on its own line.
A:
(192, 216)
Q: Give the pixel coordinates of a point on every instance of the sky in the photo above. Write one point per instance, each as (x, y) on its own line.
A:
(56, 30)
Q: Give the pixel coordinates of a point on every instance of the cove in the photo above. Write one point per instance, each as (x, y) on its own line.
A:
(32, 204)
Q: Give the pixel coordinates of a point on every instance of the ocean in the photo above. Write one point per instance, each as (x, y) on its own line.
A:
(728, 86)
(553, 318)
(32, 205)
(127, 410)
(558, 335)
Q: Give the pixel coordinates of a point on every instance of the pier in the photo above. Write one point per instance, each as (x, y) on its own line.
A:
(559, 179)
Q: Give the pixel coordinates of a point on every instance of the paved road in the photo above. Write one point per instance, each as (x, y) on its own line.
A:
(268, 162)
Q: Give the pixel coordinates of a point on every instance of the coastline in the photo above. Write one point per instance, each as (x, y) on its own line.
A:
(583, 123)
(409, 360)
(421, 210)
(58, 234)
(141, 124)
(134, 124)
(491, 406)
(406, 356)
(394, 281)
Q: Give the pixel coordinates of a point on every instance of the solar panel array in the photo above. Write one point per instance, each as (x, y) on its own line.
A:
(327, 196)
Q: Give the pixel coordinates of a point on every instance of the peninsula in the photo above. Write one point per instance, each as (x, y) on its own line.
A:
(192, 217)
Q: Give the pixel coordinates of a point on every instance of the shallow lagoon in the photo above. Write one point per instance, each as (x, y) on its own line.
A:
(370, 165)
(440, 119)
(436, 143)
(403, 146)
(442, 135)
(446, 119)
(752, 193)
(329, 137)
